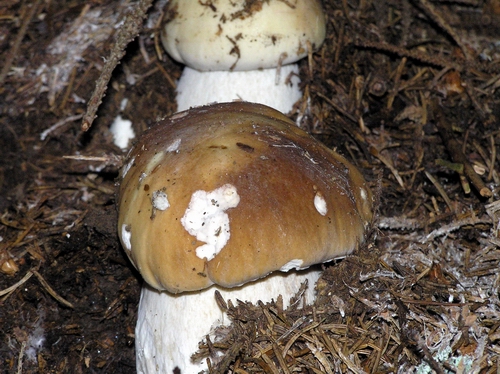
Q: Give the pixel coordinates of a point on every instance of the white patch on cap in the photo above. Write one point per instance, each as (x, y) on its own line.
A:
(294, 264)
(127, 167)
(174, 146)
(205, 218)
(320, 203)
(160, 200)
(126, 237)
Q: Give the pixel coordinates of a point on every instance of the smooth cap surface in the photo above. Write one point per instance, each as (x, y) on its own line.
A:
(229, 193)
(240, 34)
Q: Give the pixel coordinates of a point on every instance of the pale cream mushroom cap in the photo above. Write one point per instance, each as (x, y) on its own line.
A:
(241, 35)
(275, 199)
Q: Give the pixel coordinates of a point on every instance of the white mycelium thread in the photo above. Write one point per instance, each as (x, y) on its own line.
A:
(320, 203)
(206, 219)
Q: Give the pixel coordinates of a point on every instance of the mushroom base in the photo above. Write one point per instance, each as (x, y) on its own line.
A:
(169, 326)
(277, 88)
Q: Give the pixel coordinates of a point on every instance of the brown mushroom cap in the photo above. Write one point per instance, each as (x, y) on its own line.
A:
(286, 200)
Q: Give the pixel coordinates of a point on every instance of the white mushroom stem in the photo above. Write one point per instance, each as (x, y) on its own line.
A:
(170, 327)
(275, 87)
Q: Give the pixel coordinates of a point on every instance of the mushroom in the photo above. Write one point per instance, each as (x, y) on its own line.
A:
(241, 50)
(230, 197)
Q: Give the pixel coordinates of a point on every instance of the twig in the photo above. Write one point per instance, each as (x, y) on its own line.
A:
(20, 358)
(441, 190)
(387, 162)
(399, 223)
(427, 356)
(338, 108)
(166, 75)
(455, 148)
(435, 16)
(17, 43)
(10, 289)
(380, 352)
(458, 168)
(113, 160)
(455, 225)
(397, 80)
(493, 157)
(51, 291)
(127, 32)
(69, 89)
(298, 335)
(471, 3)
(279, 355)
(345, 360)
(320, 356)
(411, 54)
(58, 124)
(262, 353)
(159, 50)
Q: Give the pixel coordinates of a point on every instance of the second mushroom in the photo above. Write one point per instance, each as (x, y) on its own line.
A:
(241, 50)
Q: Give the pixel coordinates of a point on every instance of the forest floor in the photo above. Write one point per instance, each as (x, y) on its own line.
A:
(407, 90)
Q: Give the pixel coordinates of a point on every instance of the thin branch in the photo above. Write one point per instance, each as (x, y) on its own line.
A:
(434, 14)
(454, 226)
(51, 291)
(441, 190)
(411, 54)
(12, 288)
(127, 32)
